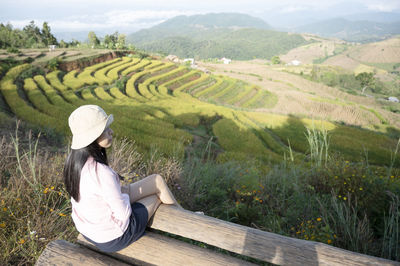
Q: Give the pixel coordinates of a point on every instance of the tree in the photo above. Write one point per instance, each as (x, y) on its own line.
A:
(121, 41)
(366, 80)
(93, 40)
(63, 44)
(275, 60)
(47, 37)
(33, 35)
(111, 40)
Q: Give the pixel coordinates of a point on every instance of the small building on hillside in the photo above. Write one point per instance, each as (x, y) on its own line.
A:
(295, 63)
(393, 99)
(52, 47)
(225, 60)
(191, 60)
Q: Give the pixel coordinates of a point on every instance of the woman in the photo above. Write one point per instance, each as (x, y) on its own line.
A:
(106, 214)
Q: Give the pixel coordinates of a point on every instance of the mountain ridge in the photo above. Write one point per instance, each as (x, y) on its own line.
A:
(234, 35)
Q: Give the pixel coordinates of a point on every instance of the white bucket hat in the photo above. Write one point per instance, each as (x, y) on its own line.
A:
(87, 123)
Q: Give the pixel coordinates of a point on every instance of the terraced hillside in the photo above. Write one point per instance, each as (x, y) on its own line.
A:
(165, 106)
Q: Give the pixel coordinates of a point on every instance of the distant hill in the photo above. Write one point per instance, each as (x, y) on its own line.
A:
(383, 17)
(355, 31)
(237, 36)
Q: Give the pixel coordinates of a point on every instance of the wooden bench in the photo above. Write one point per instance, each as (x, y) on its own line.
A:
(157, 249)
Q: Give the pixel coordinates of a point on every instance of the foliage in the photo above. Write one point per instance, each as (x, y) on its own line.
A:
(243, 173)
(13, 50)
(93, 40)
(275, 60)
(115, 41)
(54, 63)
(366, 79)
(242, 44)
(30, 37)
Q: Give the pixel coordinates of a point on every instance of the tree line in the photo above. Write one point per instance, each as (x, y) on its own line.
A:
(31, 36)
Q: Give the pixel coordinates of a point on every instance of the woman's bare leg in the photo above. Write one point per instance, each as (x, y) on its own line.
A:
(151, 185)
(151, 203)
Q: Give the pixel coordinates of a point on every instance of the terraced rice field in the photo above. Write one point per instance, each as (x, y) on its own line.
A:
(161, 105)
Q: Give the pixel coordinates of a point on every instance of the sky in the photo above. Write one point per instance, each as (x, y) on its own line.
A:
(129, 16)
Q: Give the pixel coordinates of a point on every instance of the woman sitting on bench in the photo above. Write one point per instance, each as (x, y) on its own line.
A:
(106, 214)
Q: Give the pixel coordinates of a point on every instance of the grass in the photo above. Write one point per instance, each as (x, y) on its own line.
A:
(284, 174)
(332, 202)
(35, 208)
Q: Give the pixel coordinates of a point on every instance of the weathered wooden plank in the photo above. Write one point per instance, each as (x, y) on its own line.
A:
(157, 249)
(255, 243)
(61, 252)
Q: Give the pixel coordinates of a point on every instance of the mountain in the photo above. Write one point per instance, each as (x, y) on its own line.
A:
(216, 20)
(356, 31)
(383, 17)
(233, 35)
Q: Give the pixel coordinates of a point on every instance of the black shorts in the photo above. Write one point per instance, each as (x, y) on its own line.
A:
(136, 228)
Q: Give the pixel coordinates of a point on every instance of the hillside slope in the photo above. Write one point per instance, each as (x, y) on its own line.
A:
(236, 36)
(355, 31)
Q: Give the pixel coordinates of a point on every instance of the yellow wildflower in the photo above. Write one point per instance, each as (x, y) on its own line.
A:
(5, 209)
(46, 190)
(59, 193)
(52, 187)
(319, 219)
(21, 241)
(62, 214)
(361, 188)
(51, 210)
(329, 241)
(344, 198)
(298, 232)
(3, 225)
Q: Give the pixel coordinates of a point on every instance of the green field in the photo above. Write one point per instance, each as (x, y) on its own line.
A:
(295, 176)
(161, 104)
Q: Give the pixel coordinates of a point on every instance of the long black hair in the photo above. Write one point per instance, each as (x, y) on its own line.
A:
(75, 162)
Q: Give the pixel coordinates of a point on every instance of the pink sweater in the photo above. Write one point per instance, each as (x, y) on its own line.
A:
(102, 213)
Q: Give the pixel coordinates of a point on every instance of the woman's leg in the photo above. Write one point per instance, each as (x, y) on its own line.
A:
(151, 203)
(151, 185)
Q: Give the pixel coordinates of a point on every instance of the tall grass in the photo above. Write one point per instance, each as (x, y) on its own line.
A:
(318, 141)
(34, 205)
(391, 237)
(345, 219)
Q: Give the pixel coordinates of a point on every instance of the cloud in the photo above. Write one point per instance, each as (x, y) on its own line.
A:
(122, 20)
(126, 18)
(291, 9)
(383, 7)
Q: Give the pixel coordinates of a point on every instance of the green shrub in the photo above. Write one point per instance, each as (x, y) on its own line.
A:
(13, 50)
